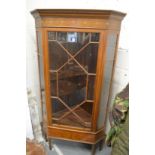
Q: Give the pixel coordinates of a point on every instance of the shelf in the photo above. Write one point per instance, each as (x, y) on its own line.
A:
(68, 74)
(72, 120)
(67, 86)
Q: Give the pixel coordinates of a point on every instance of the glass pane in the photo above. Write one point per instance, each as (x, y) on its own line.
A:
(85, 112)
(73, 41)
(88, 57)
(72, 84)
(91, 85)
(57, 56)
(95, 37)
(61, 115)
(62, 36)
(70, 120)
(52, 35)
(88, 107)
(53, 79)
(86, 117)
(57, 108)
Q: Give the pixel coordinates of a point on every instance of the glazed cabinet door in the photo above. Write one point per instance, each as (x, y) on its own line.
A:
(72, 63)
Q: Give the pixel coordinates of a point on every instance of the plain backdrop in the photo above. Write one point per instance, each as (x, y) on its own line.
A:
(121, 70)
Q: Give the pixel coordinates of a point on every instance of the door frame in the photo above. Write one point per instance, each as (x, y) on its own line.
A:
(99, 72)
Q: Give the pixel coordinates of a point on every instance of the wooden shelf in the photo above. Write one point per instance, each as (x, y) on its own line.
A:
(68, 87)
(68, 74)
(72, 120)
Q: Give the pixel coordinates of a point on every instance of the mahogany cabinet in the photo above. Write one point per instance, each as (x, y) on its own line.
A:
(76, 54)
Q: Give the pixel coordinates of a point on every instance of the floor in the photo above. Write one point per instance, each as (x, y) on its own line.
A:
(73, 148)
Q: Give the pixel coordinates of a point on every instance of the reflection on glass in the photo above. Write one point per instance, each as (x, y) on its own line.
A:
(75, 41)
(72, 37)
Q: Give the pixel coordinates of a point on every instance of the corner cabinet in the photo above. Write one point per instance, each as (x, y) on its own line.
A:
(76, 56)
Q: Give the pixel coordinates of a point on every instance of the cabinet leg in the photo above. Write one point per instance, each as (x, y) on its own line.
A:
(101, 143)
(43, 132)
(93, 150)
(45, 137)
(50, 143)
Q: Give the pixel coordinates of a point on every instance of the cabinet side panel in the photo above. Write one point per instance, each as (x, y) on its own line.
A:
(108, 69)
(40, 60)
(41, 75)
